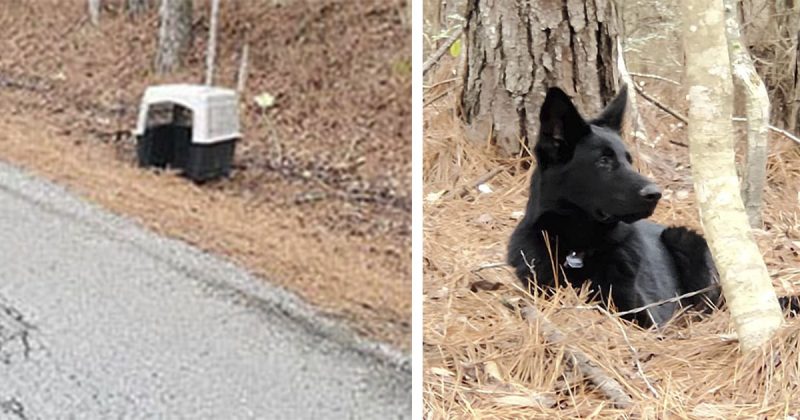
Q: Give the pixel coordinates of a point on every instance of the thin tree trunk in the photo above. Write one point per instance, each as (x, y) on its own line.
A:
(241, 78)
(174, 35)
(515, 50)
(638, 126)
(754, 94)
(94, 11)
(136, 7)
(743, 274)
(770, 31)
(639, 130)
(794, 108)
(431, 16)
(212, 42)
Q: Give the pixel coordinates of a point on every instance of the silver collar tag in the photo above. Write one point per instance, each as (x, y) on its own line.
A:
(574, 260)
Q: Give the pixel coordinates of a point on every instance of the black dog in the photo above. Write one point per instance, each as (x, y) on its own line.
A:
(585, 213)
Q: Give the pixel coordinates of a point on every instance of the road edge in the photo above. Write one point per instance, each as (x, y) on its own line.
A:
(216, 273)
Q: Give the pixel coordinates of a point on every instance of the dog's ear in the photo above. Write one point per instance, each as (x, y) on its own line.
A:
(561, 127)
(614, 114)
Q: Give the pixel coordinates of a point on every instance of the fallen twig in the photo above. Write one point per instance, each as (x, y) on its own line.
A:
(489, 266)
(443, 82)
(654, 304)
(679, 143)
(434, 58)
(460, 192)
(634, 352)
(604, 383)
(437, 97)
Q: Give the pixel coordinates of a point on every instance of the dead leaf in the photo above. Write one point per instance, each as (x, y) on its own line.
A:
(441, 372)
(484, 219)
(484, 285)
(493, 370)
(434, 196)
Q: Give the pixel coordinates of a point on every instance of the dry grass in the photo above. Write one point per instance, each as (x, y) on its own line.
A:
(483, 360)
(345, 278)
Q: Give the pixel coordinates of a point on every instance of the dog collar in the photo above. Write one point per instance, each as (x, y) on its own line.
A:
(574, 259)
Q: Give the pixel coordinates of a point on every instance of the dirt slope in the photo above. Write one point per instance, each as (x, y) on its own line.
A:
(329, 219)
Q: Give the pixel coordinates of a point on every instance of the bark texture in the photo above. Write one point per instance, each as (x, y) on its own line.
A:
(753, 93)
(743, 274)
(174, 35)
(793, 121)
(516, 49)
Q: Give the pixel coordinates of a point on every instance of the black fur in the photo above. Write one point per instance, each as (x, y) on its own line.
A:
(586, 198)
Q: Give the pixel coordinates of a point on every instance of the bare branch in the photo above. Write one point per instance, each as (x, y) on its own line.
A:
(434, 58)
(578, 359)
(670, 300)
(774, 129)
(655, 77)
(661, 105)
(460, 192)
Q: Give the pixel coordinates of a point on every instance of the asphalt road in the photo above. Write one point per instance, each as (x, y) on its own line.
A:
(101, 319)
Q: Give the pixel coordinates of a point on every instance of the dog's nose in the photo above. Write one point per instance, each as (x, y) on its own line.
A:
(651, 192)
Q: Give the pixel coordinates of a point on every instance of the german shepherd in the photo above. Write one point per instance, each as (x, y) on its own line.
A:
(586, 213)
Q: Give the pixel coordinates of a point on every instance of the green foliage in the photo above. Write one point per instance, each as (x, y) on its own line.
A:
(455, 49)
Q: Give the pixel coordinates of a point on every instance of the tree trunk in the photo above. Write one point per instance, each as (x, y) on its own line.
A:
(515, 50)
(94, 12)
(794, 108)
(431, 17)
(743, 274)
(136, 7)
(212, 42)
(753, 93)
(241, 78)
(771, 33)
(637, 124)
(174, 35)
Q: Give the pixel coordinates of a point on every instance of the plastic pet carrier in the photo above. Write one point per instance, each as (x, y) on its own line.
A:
(192, 128)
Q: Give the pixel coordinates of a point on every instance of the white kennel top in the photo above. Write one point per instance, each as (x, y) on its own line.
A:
(215, 111)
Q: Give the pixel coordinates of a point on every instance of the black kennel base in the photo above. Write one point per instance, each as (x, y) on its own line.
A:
(170, 146)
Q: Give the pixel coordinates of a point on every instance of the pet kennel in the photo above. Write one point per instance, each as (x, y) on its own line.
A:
(192, 128)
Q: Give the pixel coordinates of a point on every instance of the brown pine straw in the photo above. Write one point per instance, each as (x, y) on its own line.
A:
(483, 359)
(604, 383)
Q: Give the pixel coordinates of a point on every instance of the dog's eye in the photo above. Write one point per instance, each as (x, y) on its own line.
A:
(628, 156)
(605, 161)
